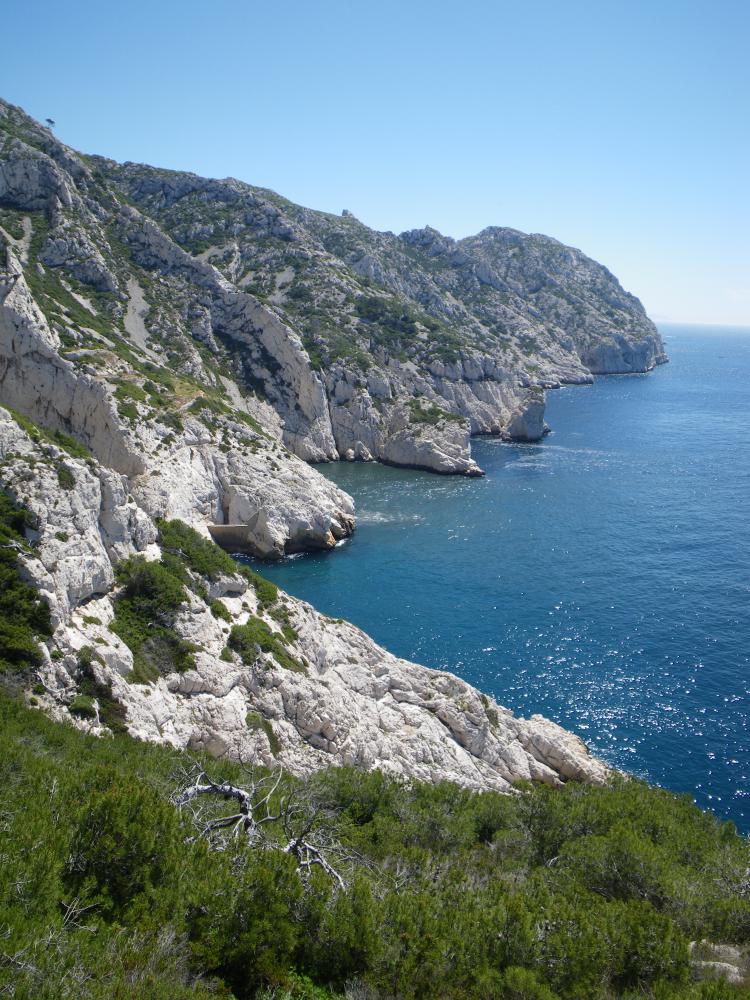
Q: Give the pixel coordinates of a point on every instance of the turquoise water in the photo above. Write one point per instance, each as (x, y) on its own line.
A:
(601, 577)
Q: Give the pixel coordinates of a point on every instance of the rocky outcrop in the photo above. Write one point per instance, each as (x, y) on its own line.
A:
(178, 348)
(36, 380)
(333, 697)
(284, 505)
(616, 355)
(333, 327)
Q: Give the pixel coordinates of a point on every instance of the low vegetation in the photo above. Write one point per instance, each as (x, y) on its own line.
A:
(111, 712)
(199, 554)
(45, 435)
(111, 887)
(108, 891)
(24, 617)
(151, 596)
(431, 414)
(254, 720)
(154, 591)
(256, 635)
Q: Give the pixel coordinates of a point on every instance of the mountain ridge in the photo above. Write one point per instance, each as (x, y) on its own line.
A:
(200, 345)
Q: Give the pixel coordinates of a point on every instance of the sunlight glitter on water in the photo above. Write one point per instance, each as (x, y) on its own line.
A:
(600, 577)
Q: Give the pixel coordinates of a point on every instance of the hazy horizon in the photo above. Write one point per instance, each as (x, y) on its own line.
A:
(619, 129)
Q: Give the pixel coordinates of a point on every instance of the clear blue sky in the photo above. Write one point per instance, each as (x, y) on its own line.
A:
(619, 127)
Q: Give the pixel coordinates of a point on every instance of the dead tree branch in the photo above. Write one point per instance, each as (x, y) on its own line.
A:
(255, 823)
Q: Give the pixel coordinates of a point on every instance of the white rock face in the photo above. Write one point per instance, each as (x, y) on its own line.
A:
(284, 505)
(30, 179)
(617, 355)
(362, 432)
(348, 702)
(273, 349)
(85, 518)
(469, 326)
(36, 380)
(205, 346)
(250, 502)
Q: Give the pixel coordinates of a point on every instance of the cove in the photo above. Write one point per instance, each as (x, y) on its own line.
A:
(600, 577)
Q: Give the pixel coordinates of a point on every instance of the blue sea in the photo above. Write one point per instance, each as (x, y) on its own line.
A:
(600, 577)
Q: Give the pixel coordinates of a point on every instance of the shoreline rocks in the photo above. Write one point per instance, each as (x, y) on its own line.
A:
(327, 694)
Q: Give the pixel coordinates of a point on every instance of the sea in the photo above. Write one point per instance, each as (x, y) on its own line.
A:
(600, 577)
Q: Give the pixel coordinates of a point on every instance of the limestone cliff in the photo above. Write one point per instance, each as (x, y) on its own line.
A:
(259, 674)
(175, 351)
(342, 341)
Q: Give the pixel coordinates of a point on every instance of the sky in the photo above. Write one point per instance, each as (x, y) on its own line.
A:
(622, 128)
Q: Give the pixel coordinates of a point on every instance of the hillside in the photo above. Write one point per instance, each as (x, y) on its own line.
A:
(208, 787)
(114, 885)
(150, 401)
(339, 340)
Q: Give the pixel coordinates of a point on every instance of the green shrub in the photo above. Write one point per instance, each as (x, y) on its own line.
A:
(266, 591)
(65, 478)
(254, 720)
(125, 846)
(396, 321)
(220, 610)
(83, 705)
(112, 713)
(256, 635)
(23, 615)
(522, 984)
(144, 615)
(199, 554)
(131, 390)
(129, 411)
(150, 586)
(449, 892)
(218, 408)
(431, 414)
(44, 435)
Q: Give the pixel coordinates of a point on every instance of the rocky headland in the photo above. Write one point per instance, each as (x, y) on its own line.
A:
(174, 353)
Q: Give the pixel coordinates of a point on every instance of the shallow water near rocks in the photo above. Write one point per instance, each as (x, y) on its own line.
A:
(601, 577)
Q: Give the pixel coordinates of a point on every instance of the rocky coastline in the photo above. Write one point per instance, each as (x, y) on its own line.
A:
(174, 353)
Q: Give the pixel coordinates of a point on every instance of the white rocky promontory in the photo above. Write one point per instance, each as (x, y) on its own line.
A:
(334, 328)
(344, 700)
(178, 348)
(222, 471)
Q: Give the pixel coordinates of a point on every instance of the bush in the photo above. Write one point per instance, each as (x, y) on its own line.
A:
(23, 615)
(220, 610)
(266, 591)
(150, 586)
(65, 478)
(44, 435)
(432, 414)
(396, 321)
(248, 934)
(254, 720)
(449, 892)
(522, 984)
(112, 713)
(83, 706)
(125, 846)
(256, 635)
(144, 615)
(199, 554)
